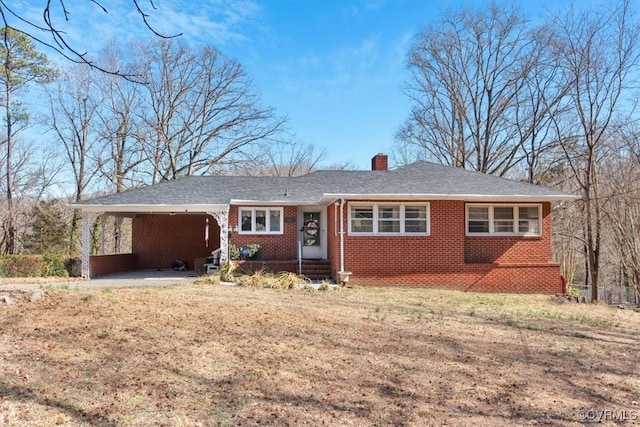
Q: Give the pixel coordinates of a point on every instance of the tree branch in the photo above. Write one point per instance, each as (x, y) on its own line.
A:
(59, 41)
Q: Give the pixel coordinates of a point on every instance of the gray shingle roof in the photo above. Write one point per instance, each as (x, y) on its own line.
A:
(418, 180)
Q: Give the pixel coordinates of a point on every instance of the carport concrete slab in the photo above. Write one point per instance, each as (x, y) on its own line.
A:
(132, 279)
(150, 275)
(142, 278)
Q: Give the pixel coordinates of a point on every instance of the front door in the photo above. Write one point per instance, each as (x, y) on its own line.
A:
(312, 234)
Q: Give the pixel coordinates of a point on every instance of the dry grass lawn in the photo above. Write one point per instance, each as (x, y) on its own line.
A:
(215, 355)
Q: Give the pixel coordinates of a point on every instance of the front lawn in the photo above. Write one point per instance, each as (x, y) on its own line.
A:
(218, 355)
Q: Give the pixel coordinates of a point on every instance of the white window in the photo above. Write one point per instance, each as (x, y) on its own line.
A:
(260, 220)
(389, 218)
(478, 219)
(361, 219)
(529, 220)
(504, 220)
(416, 219)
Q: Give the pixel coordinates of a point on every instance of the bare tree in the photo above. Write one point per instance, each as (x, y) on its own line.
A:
(73, 120)
(282, 158)
(541, 98)
(34, 171)
(619, 181)
(119, 124)
(293, 158)
(119, 128)
(203, 112)
(599, 56)
(622, 211)
(50, 29)
(20, 65)
(470, 76)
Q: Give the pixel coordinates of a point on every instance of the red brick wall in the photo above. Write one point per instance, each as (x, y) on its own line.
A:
(101, 265)
(518, 278)
(380, 162)
(440, 252)
(518, 264)
(160, 239)
(512, 250)
(444, 259)
(272, 266)
(272, 246)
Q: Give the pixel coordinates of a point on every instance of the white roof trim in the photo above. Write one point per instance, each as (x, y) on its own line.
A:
(266, 202)
(328, 197)
(149, 208)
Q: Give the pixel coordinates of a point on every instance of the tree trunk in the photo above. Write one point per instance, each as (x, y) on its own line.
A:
(10, 227)
(74, 233)
(117, 234)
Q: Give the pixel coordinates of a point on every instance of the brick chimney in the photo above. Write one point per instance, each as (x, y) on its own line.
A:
(380, 162)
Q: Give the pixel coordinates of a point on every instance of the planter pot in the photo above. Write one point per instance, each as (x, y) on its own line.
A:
(344, 276)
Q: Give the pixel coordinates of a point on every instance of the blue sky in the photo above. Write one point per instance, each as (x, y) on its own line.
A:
(336, 68)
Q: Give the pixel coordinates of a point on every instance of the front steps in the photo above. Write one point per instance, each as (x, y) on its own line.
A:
(313, 269)
(316, 269)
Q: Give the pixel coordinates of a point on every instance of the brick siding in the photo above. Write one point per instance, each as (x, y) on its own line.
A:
(449, 259)
(158, 240)
(101, 265)
(272, 246)
(380, 162)
(511, 250)
(271, 266)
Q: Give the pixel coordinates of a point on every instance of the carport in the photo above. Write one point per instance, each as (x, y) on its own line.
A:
(160, 234)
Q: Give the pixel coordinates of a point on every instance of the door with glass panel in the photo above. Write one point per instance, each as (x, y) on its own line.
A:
(311, 234)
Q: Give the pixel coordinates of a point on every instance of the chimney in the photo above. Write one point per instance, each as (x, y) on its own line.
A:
(379, 162)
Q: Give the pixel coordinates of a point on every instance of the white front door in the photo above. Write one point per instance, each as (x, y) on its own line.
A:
(312, 234)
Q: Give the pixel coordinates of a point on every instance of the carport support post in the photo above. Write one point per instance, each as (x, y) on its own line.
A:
(222, 217)
(87, 221)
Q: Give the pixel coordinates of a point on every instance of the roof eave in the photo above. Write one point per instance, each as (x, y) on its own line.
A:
(330, 197)
(146, 208)
(241, 202)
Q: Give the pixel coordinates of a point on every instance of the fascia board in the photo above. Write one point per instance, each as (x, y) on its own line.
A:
(328, 198)
(239, 202)
(96, 208)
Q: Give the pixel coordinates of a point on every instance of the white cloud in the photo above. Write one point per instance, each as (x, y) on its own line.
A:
(346, 71)
(88, 26)
(213, 22)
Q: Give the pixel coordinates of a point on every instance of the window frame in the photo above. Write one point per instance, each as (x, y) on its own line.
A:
(372, 219)
(487, 220)
(515, 221)
(377, 218)
(267, 225)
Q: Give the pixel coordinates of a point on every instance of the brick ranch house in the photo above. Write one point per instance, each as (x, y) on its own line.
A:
(422, 224)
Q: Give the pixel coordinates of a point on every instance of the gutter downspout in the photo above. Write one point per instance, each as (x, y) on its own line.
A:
(342, 234)
(343, 274)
